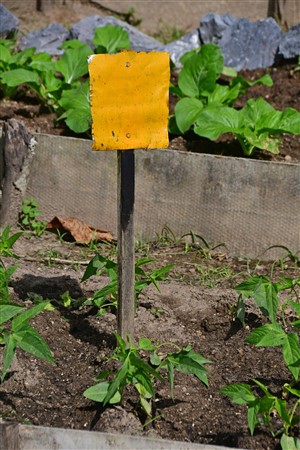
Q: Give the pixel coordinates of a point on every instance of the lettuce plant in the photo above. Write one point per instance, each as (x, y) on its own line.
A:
(207, 107)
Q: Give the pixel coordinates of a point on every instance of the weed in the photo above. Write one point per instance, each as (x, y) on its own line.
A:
(29, 217)
(211, 276)
(168, 33)
(200, 244)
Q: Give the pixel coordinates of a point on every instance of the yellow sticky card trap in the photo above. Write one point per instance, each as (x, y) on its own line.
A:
(129, 100)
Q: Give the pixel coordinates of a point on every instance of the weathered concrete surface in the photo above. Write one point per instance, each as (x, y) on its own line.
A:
(248, 204)
(27, 437)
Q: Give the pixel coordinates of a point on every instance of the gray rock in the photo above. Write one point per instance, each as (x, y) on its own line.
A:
(84, 30)
(213, 26)
(178, 48)
(245, 44)
(8, 23)
(289, 46)
(46, 39)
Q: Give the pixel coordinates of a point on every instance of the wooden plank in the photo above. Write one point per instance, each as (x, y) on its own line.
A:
(126, 262)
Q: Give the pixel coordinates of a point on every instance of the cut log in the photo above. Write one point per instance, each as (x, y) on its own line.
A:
(16, 154)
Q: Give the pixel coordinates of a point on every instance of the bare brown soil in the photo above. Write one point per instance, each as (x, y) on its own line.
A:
(193, 307)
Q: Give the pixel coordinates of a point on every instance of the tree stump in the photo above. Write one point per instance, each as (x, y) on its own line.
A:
(15, 156)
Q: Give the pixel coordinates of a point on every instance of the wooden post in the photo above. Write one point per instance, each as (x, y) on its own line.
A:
(126, 262)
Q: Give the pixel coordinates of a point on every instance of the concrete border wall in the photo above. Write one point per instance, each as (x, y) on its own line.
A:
(28, 437)
(247, 204)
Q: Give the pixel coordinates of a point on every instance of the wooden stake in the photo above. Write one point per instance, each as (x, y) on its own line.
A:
(126, 262)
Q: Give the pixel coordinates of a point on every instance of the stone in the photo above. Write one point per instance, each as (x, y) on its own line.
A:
(84, 31)
(8, 23)
(213, 26)
(46, 39)
(244, 44)
(289, 46)
(177, 48)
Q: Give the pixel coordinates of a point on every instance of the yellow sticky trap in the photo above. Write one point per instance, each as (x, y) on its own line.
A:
(129, 100)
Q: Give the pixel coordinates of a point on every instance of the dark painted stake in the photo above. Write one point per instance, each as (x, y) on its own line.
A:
(126, 263)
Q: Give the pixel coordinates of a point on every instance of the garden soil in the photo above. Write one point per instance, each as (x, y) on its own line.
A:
(194, 307)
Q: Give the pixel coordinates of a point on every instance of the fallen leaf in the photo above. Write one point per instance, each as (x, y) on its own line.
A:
(80, 231)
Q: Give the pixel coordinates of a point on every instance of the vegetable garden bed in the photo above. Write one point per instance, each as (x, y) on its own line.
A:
(201, 340)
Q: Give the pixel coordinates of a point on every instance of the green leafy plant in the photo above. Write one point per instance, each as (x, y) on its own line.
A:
(15, 330)
(142, 374)
(6, 250)
(19, 333)
(261, 405)
(29, 217)
(107, 297)
(62, 85)
(206, 106)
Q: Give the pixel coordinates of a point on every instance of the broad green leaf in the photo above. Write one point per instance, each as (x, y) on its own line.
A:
(253, 408)
(16, 77)
(289, 121)
(155, 359)
(191, 363)
(170, 368)
(32, 342)
(23, 318)
(263, 141)
(8, 354)
(280, 406)
(117, 384)
(77, 120)
(186, 112)
(146, 344)
(111, 39)
(144, 385)
(73, 63)
(293, 391)
(240, 393)
(98, 393)
(291, 353)
(264, 292)
(77, 114)
(201, 71)
(289, 442)
(146, 406)
(222, 95)
(212, 122)
(254, 110)
(72, 43)
(270, 335)
(137, 362)
(96, 263)
(265, 391)
(22, 58)
(8, 311)
(5, 54)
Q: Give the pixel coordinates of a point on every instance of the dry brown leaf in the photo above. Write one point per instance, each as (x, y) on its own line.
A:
(80, 231)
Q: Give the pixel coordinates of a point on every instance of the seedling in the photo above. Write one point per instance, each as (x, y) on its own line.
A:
(107, 297)
(29, 217)
(6, 249)
(18, 333)
(142, 374)
(261, 407)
